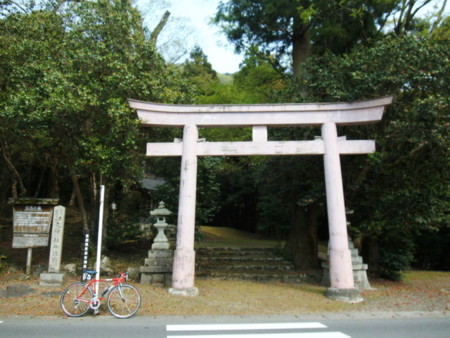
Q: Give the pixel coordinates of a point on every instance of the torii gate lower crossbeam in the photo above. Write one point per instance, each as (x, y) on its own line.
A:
(259, 117)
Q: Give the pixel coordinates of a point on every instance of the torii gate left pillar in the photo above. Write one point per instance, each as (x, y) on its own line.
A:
(326, 115)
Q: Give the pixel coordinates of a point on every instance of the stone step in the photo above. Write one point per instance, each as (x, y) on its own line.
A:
(252, 275)
(258, 264)
(354, 251)
(236, 252)
(229, 258)
(245, 267)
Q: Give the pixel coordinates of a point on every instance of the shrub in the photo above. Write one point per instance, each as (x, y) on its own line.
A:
(396, 255)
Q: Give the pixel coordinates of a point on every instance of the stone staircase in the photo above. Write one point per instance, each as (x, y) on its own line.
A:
(256, 264)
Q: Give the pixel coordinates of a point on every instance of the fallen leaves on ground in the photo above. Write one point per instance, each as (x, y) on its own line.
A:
(420, 291)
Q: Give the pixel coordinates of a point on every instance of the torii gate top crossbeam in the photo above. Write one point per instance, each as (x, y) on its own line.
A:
(292, 114)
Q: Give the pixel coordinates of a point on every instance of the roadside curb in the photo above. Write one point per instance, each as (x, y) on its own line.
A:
(256, 318)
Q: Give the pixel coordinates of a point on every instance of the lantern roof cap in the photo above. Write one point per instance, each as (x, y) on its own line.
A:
(161, 210)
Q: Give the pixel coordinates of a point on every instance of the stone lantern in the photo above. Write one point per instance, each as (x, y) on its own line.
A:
(160, 241)
(158, 266)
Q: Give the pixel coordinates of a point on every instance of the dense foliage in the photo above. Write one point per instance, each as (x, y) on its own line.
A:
(402, 189)
(67, 71)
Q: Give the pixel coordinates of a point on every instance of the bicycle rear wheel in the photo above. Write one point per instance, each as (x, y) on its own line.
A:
(75, 299)
(124, 301)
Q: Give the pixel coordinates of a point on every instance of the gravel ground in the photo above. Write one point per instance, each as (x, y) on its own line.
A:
(421, 291)
(424, 292)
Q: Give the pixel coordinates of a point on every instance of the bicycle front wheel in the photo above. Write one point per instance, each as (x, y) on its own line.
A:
(124, 301)
(75, 299)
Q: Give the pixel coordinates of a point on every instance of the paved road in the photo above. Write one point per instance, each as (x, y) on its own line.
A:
(229, 327)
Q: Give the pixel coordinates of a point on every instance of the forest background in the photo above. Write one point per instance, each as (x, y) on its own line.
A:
(68, 67)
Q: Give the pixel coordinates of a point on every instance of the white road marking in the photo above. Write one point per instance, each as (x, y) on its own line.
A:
(236, 327)
(255, 327)
(273, 335)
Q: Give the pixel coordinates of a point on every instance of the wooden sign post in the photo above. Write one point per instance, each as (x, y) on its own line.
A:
(31, 224)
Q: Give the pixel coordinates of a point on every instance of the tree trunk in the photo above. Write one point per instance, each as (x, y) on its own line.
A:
(14, 188)
(80, 202)
(313, 236)
(94, 194)
(302, 241)
(53, 184)
(40, 182)
(370, 252)
(105, 215)
(4, 187)
(16, 179)
(301, 47)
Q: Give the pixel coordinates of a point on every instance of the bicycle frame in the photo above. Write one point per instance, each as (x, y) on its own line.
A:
(92, 284)
(123, 300)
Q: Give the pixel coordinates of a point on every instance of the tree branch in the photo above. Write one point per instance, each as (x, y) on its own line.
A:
(438, 17)
(61, 2)
(13, 169)
(19, 6)
(410, 154)
(159, 27)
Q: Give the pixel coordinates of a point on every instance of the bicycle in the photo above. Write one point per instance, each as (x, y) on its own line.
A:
(78, 298)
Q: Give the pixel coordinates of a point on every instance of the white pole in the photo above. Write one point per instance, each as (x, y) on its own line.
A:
(29, 255)
(99, 235)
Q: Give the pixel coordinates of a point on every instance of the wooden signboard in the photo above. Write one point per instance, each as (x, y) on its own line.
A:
(32, 220)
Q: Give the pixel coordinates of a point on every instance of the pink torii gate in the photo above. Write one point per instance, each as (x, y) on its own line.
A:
(259, 117)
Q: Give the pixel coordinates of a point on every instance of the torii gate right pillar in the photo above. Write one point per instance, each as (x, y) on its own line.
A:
(341, 272)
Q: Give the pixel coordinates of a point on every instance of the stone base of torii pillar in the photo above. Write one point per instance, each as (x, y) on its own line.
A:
(359, 270)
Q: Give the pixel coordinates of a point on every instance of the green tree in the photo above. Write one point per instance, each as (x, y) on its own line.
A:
(296, 29)
(258, 78)
(402, 189)
(200, 72)
(67, 74)
(26, 88)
